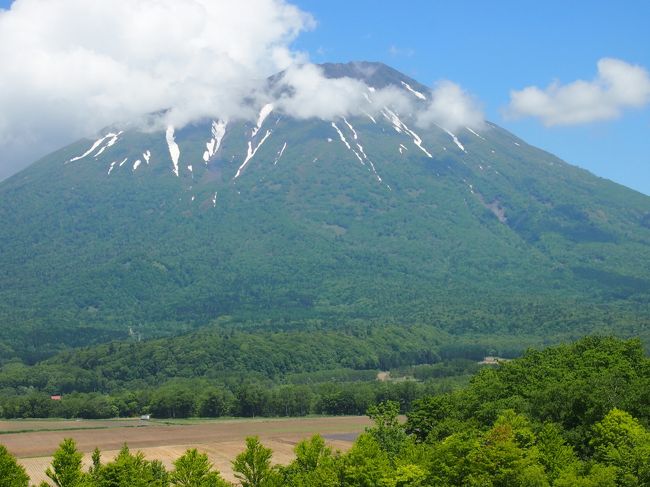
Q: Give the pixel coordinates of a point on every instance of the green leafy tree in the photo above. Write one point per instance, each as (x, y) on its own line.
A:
(253, 467)
(621, 441)
(97, 463)
(388, 432)
(587, 475)
(435, 417)
(11, 474)
(131, 470)
(65, 470)
(216, 403)
(554, 453)
(314, 465)
(507, 456)
(366, 464)
(193, 469)
(408, 475)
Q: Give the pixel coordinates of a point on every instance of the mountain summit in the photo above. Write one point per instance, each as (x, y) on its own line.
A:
(315, 221)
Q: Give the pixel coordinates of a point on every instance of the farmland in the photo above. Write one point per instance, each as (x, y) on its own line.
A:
(33, 442)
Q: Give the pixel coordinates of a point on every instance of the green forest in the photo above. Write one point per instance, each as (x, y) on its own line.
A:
(570, 415)
(270, 369)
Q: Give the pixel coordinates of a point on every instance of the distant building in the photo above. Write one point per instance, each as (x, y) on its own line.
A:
(493, 360)
(56, 397)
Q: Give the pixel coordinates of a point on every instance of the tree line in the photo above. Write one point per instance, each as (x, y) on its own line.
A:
(249, 398)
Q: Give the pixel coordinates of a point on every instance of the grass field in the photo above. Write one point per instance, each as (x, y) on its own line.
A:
(33, 442)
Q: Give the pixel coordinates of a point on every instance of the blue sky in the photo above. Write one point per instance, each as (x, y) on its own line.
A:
(491, 48)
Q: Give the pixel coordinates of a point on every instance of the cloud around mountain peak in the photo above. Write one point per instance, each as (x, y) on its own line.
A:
(451, 107)
(70, 67)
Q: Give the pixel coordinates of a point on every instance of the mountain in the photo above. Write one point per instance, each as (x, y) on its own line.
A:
(291, 223)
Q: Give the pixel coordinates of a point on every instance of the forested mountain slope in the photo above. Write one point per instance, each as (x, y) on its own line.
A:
(291, 221)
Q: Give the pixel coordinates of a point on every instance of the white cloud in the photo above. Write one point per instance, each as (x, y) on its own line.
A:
(450, 108)
(70, 67)
(619, 85)
(312, 95)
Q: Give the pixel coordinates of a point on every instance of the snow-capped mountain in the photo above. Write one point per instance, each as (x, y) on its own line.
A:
(291, 220)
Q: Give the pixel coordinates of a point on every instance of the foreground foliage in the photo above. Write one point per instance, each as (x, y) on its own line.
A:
(574, 415)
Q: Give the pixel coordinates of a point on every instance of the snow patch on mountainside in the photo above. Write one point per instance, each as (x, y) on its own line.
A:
(479, 136)
(212, 146)
(174, 150)
(251, 153)
(372, 166)
(344, 140)
(361, 155)
(280, 152)
(89, 151)
(456, 141)
(354, 132)
(400, 126)
(111, 141)
(99, 144)
(264, 112)
(416, 93)
(341, 136)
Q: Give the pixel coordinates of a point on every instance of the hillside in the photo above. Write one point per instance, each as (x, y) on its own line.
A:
(289, 222)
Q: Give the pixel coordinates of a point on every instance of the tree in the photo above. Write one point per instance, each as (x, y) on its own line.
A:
(408, 475)
(314, 466)
(506, 455)
(366, 464)
(11, 474)
(252, 398)
(173, 401)
(587, 475)
(435, 416)
(66, 465)
(253, 467)
(129, 470)
(555, 455)
(388, 432)
(216, 403)
(97, 462)
(193, 469)
(621, 441)
(310, 454)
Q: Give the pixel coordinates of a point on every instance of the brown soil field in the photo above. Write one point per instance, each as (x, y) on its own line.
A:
(221, 440)
(29, 425)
